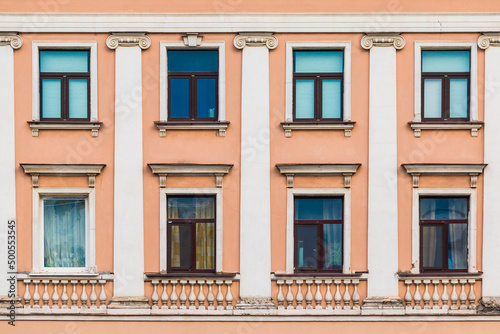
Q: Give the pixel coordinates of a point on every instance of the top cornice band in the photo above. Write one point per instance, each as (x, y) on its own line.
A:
(395, 40)
(487, 40)
(251, 39)
(128, 40)
(11, 39)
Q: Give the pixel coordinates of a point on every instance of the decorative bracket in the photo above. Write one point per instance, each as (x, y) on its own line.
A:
(384, 40)
(192, 39)
(486, 40)
(14, 40)
(128, 40)
(253, 39)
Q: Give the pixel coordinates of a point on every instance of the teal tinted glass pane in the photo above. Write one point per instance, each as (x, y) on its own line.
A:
(65, 61)
(332, 246)
(64, 232)
(307, 248)
(432, 98)
(331, 98)
(51, 98)
(445, 61)
(457, 246)
(458, 98)
(443, 208)
(318, 61)
(304, 98)
(180, 207)
(179, 98)
(205, 98)
(193, 61)
(318, 208)
(432, 246)
(78, 98)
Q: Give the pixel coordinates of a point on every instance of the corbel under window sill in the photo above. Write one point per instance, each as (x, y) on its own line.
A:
(220, 127)
(346, 126)
(417, 127)
(49, 125)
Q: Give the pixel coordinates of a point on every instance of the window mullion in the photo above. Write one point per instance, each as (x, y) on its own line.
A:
(317, 97)
(64, 98)
(446, 97)
(445, 247)
(193, 246)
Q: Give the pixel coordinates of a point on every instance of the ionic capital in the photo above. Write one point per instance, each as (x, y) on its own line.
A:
(252, 39)
(486, 40)
(128, 40)
(15, 41)
(395, 40)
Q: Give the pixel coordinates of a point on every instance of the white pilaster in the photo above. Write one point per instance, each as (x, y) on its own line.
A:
(7, 146)
(382, 166)
(491, 226)
(128, 171)
(255, 214)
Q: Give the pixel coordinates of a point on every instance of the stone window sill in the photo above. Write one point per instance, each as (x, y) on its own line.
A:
(345, 126)
(417, 127)
(36, 126)
(220, 127)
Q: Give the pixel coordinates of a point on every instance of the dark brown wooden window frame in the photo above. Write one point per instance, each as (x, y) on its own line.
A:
(319, 238)
(444, 223)
(192, 223)
(64, 77)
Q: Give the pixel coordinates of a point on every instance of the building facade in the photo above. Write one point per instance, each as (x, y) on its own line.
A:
(243, 167)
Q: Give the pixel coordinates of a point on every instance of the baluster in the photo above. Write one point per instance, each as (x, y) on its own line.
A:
(36, 295)
(64, 297)
(417, 297)
(355, 295)
(55, 294)
(281, 297)
(220, 296)
(102, 295)
(154, 296)
(210, 296)
(435, 295)
(45, 295)
(347, 296)
(289, 295)
(454, 295)
(84, 296)
(328, 295)
(173, 296)
(463, 295)
(192, 296)
(472, 296)
(299, 298)
(408, 297)
(229, 295)
(27, 295)
(444, 296)
(74, 295)
(164, 295)
(309, 296)
(183, 296)
(427, 296)
(201, 295)
(318, 297)
(337, 297)
(93, 295)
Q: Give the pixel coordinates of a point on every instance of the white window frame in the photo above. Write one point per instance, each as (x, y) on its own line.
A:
(328, 46)
(38, 227)
(472, 224)
(164, 193)
(443, 46)
(62, 45)
(209, 45)
(318, 192)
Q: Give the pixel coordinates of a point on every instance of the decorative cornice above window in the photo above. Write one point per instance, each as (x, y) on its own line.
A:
(345, 126)
(395, 40)
(15, 41)
(486, 40)
(290, 170)
(35, 170)
(38, 125)
(162, 170)
(219, 126)
(255, 39)
(417, 127)
(128, 40)
(415, 170)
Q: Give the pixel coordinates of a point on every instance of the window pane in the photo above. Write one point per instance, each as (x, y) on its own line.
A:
(332, 246)
(318, 208)
(304, 98)
(179, 98)
(205, 246)
(457, 246)
(78, 98)
(331, 98)
(193, 61)
(445, 61)
(190, 207)
(443, 208)
(51, 98)
(205, 97)
(307, 254)
(432, 246)
(65, 61)
(318, 61)
(432, 98)
(180, 246)
(64, 232)
(458, 98)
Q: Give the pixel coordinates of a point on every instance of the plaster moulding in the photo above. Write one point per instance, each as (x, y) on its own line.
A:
(15, 41)
(90, 170)
(385, 40)
(253, 39)
(486, 40)
(290, 170)
(162, 170)
(128, 40)
(416, 170)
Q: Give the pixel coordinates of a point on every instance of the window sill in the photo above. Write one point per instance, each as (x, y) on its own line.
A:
(69, 275)
(417, 127)
(44, 125)
(219, 126)
(345, 126)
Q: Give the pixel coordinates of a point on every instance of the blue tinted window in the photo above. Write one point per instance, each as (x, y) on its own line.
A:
(193, 61)
(304, 98)
(179, 98)
(332, 97)
(51, 98)
(443, 208)
(65, 61)
(445, 61)
(318, 61)
(205, 98)
(432, 98)
(307, 254)
(318, 208)
(458, 98)
(78, 98)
